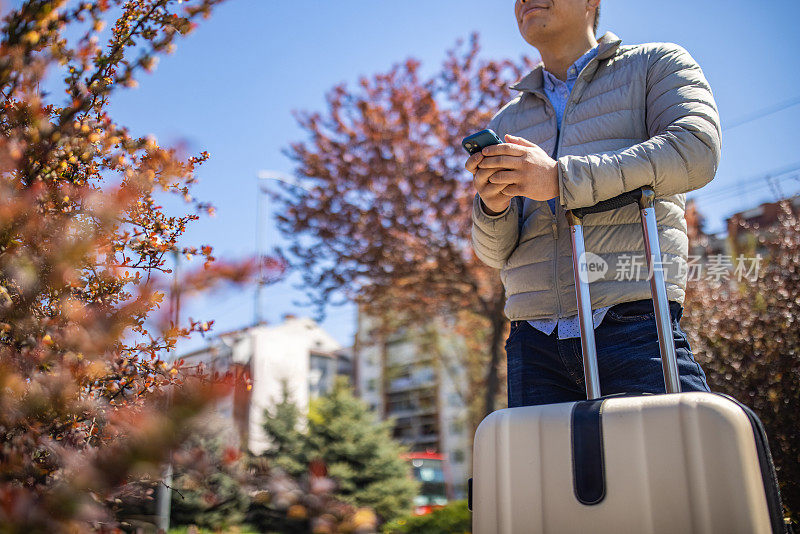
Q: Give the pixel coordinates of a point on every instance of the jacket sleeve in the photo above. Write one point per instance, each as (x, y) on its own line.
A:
(683, 151)
(494, 237)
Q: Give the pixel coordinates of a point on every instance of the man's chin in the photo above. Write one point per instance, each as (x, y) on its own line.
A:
(533, 38)
(537, 33)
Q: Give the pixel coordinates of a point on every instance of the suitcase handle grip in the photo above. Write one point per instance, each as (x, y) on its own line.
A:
(643, 196)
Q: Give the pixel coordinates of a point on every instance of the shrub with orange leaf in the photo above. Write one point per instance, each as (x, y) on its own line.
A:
(84, 250)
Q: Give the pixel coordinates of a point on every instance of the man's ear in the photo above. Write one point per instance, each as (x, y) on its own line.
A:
(594, 7)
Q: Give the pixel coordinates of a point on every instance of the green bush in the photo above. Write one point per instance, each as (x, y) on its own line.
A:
(454, 518)
(232, 530)
(215, 502)
(208, 492)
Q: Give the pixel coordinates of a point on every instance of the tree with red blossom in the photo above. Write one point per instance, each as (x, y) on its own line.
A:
(385, 220)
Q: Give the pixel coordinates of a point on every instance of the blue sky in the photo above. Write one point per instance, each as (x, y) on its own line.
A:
(231, 86)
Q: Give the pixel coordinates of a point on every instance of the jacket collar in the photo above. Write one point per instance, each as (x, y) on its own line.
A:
(606, 47)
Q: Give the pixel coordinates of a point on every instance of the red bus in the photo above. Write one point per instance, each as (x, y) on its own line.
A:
(428, 469)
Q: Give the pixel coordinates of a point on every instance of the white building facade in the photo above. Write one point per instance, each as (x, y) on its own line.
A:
(297, 352)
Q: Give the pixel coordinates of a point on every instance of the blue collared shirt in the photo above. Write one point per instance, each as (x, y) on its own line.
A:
(558, 94)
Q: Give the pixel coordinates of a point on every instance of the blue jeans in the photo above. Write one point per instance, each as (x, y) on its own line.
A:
(543, 369)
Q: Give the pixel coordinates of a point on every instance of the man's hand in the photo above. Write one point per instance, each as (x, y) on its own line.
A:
(494, 201)
(515, 168)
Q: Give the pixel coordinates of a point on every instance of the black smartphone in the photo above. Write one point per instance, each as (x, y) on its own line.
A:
(478, 141)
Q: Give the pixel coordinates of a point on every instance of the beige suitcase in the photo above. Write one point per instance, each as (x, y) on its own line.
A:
(673, 463)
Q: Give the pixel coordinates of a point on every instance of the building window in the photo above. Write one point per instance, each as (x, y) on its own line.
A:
(371, 385)
(457, 456)
(456, 427)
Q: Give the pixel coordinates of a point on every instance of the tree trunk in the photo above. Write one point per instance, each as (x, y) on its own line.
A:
(492, 378)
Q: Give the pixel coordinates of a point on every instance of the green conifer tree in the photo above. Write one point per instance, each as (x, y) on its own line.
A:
(360, 453)
(209, 495)
(357, 450)
(288, 448)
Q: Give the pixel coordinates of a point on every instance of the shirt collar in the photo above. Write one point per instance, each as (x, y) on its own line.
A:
(607, 47)
(572, 73)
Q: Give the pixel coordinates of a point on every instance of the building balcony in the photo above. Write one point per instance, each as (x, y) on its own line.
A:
(408, 384)
(411, 412)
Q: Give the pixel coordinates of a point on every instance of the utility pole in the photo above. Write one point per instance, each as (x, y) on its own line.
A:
(165, 489)
(164, 498)
(257, 317)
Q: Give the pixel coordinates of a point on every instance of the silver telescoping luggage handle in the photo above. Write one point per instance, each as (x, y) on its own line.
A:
(645, 197)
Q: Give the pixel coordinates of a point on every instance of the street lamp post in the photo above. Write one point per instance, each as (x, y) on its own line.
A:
(165, 489)
(286, 180)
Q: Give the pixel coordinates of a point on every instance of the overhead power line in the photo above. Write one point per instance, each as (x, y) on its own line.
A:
(765, 183)
(763, 112)
(749, 185)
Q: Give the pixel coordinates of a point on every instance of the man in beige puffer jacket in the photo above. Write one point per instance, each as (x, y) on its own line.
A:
(593, 120)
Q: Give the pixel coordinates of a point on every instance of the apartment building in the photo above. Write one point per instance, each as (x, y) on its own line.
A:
(297, 351)
(412, 378)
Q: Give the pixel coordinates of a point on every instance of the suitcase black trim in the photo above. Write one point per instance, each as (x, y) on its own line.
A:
(588, 465)
(768, 474)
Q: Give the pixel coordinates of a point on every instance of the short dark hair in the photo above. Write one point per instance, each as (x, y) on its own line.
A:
(596, 18)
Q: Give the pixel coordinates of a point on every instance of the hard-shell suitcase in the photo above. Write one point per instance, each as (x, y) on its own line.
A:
(674, 463)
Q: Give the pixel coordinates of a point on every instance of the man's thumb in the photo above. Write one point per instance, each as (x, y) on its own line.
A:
(518, 140)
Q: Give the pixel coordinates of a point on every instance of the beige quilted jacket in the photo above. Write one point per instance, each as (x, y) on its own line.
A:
(637, 115)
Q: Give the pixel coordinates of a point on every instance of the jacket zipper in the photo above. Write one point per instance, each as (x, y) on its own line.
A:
(554, 211)
(554, 224)
(558, 210)
(554, 214)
